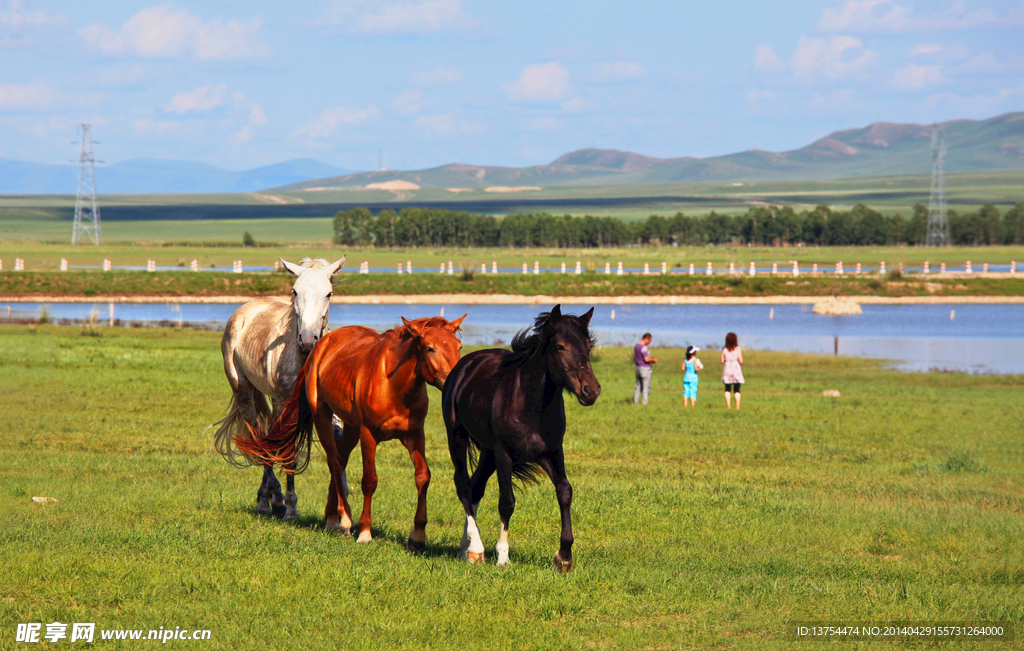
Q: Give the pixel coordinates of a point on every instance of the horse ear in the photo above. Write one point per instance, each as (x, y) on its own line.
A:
(585, 318)
(336, 267)
(291, 267)
(455, 326)
(556, 313)
(411, 327)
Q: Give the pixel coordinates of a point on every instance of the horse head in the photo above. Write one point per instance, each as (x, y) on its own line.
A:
(436, 347)
(311, 298)
(567, 344)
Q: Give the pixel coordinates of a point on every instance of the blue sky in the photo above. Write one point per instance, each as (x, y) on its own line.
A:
(500, 83)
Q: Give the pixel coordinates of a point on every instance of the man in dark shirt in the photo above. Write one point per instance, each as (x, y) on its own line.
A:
(643, 369)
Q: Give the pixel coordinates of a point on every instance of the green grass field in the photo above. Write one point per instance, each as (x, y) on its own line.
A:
(901, 500)
(888, 194)
(213, 283)
(46, 256)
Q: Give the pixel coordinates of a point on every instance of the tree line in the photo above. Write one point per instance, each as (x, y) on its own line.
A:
(760, 225)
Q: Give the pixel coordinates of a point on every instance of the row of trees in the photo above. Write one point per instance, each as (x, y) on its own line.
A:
(762, 225)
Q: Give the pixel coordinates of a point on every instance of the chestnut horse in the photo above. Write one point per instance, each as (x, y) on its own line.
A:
(376, 385)
(508, 404)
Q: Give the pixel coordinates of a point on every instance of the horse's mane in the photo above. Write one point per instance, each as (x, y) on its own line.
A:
(313, 263)
(528, 341)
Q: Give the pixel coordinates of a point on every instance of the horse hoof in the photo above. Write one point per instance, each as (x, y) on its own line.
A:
(562, 566)
(291, 515)
(364, 537)
(475, 557)
(415, 547)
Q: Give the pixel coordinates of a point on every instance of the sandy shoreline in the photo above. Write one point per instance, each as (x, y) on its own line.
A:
(513, 299)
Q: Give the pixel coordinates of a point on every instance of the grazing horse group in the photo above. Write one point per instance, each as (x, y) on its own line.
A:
(504, 407)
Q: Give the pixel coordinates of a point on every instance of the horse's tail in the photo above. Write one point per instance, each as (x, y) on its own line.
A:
(234, 426)
(289, 439)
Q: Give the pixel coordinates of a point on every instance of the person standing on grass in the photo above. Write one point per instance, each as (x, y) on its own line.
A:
(643, 368)
(732, 372)
(690, 368)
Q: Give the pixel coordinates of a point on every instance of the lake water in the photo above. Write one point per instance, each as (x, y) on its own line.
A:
(981, 338)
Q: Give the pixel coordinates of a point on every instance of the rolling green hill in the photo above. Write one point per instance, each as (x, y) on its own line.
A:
(880, 149)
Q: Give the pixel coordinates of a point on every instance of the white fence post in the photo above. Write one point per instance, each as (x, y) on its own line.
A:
(664, 268)
(578, 270)
(691, 268)
(63, 264)
(647, 269)
(618, 272)
(399, 267)
(608, 268)
(881, 267)
(732, 268)
(195, 264)
(796, 269)
(494, 267)
(926, 266)
(151, 265)
(709, 268)
(967, 267)
(524, 269)
(942, 267)
(752, 268)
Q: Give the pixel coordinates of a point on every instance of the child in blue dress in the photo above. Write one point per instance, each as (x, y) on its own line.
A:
(690, 368)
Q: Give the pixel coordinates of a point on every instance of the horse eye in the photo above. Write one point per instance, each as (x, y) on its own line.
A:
(294, 293)
(431, 350)
(330, 295)
(561, 347)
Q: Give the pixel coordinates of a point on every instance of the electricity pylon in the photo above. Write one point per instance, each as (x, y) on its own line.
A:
(87, 212)
(937, 233)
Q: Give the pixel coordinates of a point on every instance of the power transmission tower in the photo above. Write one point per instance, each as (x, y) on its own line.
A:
(937, 233)
(87, 213)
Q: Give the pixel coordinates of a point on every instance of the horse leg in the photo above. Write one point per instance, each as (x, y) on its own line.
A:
(291, 500)
(268, 497)
(506, 502)
(338, 514)
(416, 445)
(555, 467)
(322, 421)
(368, 446)
(471, 548)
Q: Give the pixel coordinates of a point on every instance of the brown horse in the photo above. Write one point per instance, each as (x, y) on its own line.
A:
(376, 384)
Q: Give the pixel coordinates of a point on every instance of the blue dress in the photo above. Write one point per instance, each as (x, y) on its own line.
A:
(690, 380)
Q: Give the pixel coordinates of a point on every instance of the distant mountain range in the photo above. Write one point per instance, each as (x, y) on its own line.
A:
(155, 176)
(880, 149)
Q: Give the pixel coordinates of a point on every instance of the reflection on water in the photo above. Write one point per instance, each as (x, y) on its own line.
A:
(980, 338)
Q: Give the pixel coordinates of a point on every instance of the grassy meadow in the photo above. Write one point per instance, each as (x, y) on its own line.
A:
(46, 256)
(172, 284)
(902, 500)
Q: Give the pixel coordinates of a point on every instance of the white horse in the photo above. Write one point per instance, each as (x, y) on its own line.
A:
(265, 344)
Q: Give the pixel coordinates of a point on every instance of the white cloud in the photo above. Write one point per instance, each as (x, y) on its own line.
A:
(977, 106)
(836, 57)
(20, 27)
(26, 96)
(256, 115)
(245, 135)
(765, 60)
(203, 98)
(617, 71)
(439, 77)
(416, 18)
(915, 77)
(540, 84)
(409, 102)
(169, 32)
(888, 16)
(439, 123)
(578, 105)
(758, 97)
(928, 48)
(333, 119)
(545, 123)
(835, 103)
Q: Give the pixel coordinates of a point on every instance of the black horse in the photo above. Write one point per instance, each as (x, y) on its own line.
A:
(508, 404)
